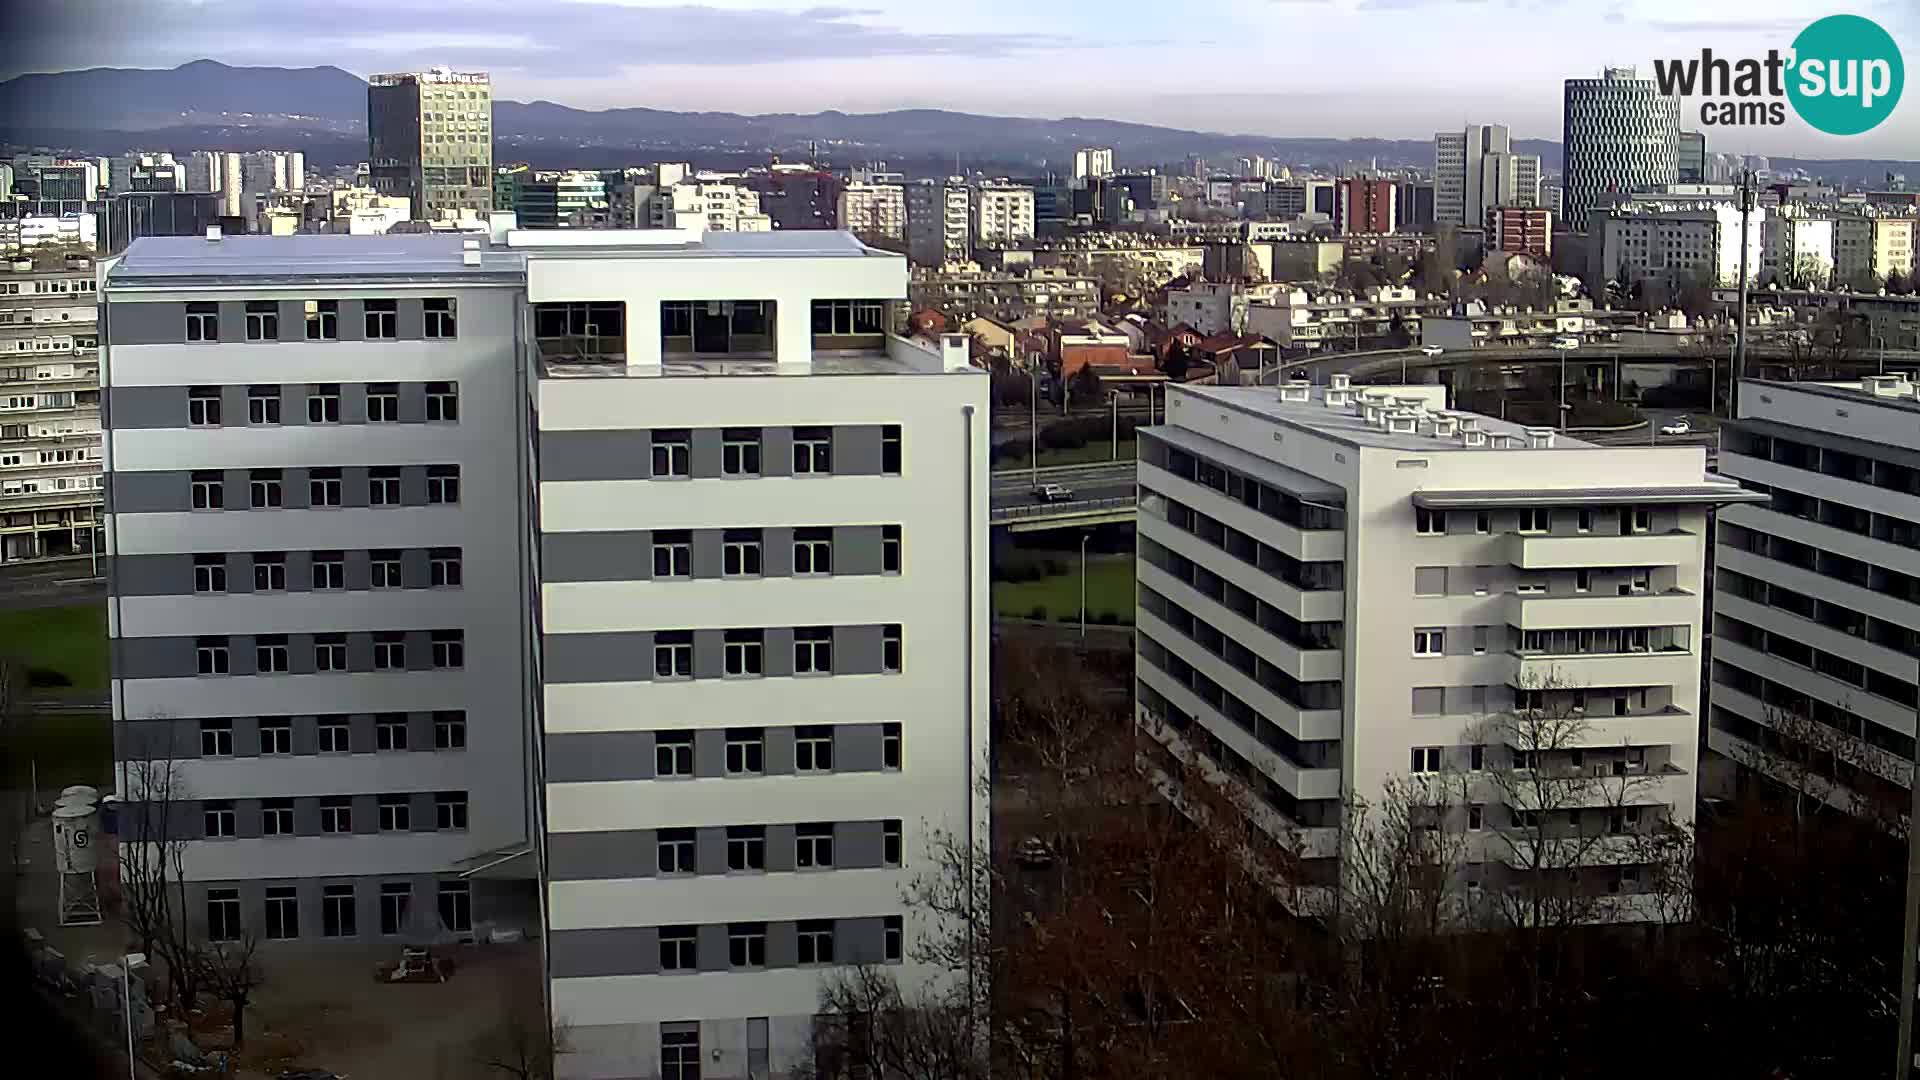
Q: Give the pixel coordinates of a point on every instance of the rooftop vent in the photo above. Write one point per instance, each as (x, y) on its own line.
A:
(1402, 422)
(1412, 403)
(213, 234)
(1469, 423)
(1338, 399)
(1443, 427)
(1472, 437)
(1502, 440)
(1340, 381)
(470, 244)
(1540, 438)
(470, 257)
(1373, 412)
(1885, 385)
(1296, 390)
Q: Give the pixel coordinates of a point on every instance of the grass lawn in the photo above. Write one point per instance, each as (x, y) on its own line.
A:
(62, 748)
(1096, 451)
(1109, 589)
(70, 640)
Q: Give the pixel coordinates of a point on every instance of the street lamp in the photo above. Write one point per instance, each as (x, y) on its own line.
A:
(1033, 423)
(126, 1001)
(1563, 346)
(1085, 535)
(1114, 396)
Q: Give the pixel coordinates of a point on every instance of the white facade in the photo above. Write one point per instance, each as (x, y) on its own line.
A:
(49, 410)
(1002, 215)
(233, 187)
(1799, 251)
(1412, 582)
(1678, 241)
(1476, 171)
(878, 210)
(1092, 161)
(1815, 599)
(707, 205)
(938, 222)
(1621, 135)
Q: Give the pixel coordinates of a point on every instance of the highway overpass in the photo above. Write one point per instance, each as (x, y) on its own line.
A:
(1102, 492)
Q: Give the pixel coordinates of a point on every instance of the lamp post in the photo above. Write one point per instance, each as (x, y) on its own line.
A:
(1114, 396)
(1033, 425)
(1085, 535)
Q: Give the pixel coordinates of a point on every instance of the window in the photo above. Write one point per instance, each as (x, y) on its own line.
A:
(890, 649)
(812, 450)
(747, 945)
(1426, 759)
(263, 320)
(449, 731)
(1476, 817)
(1429, 642)
(890, 449)
(323, 403)
(210, 656)
(208, 490)
(893, 938)
(816, 941)
(449, 649)
(673, 553)
(269, 571)
(673, 753)
(203, 322)
(270, 654)
(276, 817)
(443, 568)
(678, 948)
(389, 651)
(673, 654)
(450, 810)
(813, 846)
(1582, 580)
(889, 549)
(329, 570)
(746, 847)
(680, 1052)
(812, 551)
(263, 489)
(744, 649)
(846, 317)
(671, 452)
(1640, 521)
(746, 751)
(383, 319)
(1530, 588)
(1429, 522)
(323, 320)
(676, 851)
(396, 813)
(390, 731)
(336, 814)
(1583, 521)
(456, 906)
(813, 749)
(336, 911)
(440, 322)
(335, 735)
(203, 406)
(740, 553)
(443, 402)
(396, 904)
(1535, 520)
(383, 485)
(323, 487)
(891, 842)
(209, 573)
(383, 403)
(219, 819)
(383, 566)
(1483, 522)
(330, 652)
(740, 452)
(223, 905)
(890, 746)
(276, 735)
(443, 484)
(1477, 757)
(813, 650)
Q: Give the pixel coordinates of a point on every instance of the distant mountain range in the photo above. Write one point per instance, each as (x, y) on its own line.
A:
(322, 110)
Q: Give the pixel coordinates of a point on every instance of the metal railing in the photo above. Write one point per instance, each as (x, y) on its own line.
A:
(1062, 509)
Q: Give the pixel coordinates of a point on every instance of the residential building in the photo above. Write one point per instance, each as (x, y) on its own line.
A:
(360, 211)
(554, 200)
(1529, 601)
(1092, 162)
(1866, 249)
(232, 188)
(69, 230)
(705, 204)
(1077, 344)
(430, 140)
(49, 408)
(1521, 230)
(1691, 165)
(1477, 170)
(133, 214)
(1211, 307)
(1285, 201)
(874, 211)
(1815, 593)
(1620, 135)
(797, 196)
(1799, 248)
(938, 222)
(1296, 318)
(1366, 205)
(1007, 296)
(1675, 241)
(202, 173)
(1002, 215)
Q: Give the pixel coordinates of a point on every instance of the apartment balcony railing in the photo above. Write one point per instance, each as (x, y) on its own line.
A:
(1539, 551)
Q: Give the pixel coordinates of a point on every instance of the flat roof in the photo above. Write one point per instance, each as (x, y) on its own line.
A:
(688, 243)
(1350, 427)
(1707, 491)
(681, 367)
(1291, 480)
(1853, 391)
(303, 257)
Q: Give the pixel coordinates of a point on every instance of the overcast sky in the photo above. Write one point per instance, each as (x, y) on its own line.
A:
(1390, 68)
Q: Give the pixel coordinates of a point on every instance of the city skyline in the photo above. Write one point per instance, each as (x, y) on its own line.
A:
(757, 56)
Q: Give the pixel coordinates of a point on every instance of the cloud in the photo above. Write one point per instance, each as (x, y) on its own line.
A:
(1727, 26)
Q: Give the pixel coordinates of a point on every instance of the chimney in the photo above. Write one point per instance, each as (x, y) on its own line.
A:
(213, 234)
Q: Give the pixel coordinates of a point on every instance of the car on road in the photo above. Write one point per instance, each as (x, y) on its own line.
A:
(1431, 350)
(1679, 425)
(1053, 493)
(1566, 343)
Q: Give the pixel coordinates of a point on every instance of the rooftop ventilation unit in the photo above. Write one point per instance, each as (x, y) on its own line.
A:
(1412, 403)
(1296, 390)
(1401, 422)
(1340, 382)
(213, 234)
(1443, 427)
(1338, 399)
(1502, 440)
(1885, 385)
(470, 257)
(1473, 437)
(1540, 438)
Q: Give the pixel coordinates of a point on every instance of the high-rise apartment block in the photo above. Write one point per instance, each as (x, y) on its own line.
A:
(1621, 135)
(1691, 166)
(1365, 205)
(874, 210)
(709, 205)
(1346, 586)
(1477, 170)
(498, 609)
(1675, 241)
(1521, 230)
(1002, 215)
(1092, 162)
(938, 221)
(1817, 594)
(430, 139)
(49, 408)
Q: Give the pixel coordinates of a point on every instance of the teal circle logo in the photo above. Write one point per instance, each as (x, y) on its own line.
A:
(1846, 75)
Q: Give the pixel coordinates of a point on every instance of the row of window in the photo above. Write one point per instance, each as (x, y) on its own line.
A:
(393, 813)
(1431, 641)
(1310, 576)
(676, 852)
(42, 485)
(741, 451)
(380, 320)
(325, 487)
(272, 652)
(1302, 754)
(339, 915)
(49, 399)
(746, 751)
(742, 550)
(1323, 694)
(1624, 761)
(747, 951)
(264, 402)
(745, 652)
(1301, 635)
(1538, 520)
(328, 570)
(1280, 505)
(334, 734)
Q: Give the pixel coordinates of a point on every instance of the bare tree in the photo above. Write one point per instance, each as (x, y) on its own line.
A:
(151, 853)
(522, 1046)
(232, 973)
(867, 1027)
(1810, 762)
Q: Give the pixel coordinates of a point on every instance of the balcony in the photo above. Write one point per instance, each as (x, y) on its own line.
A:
(1541, 552)
(1671, 666)
(1596, 610)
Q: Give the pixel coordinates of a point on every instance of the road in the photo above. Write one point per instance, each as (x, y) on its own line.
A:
(1107, 480)
(49, 584)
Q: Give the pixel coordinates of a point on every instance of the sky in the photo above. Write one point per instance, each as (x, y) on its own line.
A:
(1344, 68)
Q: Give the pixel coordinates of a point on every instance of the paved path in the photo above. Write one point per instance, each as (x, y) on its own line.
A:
(49, 584)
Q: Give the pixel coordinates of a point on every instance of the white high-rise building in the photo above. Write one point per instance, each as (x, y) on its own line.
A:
(1476, 170)
(1002, 215)
(1676, 242)
(874, 209)
(1800, 251)
(1346, 586)
(938, 221)
(1621, 135)
(1090, 162)
(202, 171)
(707, 205)
(233, 186)
(49, 409)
